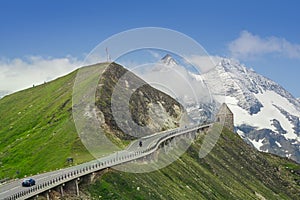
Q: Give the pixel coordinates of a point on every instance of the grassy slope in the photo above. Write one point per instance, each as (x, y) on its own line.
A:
(233, 170)
(37, 132)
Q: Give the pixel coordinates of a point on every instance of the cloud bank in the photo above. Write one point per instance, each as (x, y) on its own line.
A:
(20, 73)
(204, 63)
(248, 46)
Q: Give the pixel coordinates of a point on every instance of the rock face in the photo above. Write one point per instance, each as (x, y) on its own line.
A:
(148, 110)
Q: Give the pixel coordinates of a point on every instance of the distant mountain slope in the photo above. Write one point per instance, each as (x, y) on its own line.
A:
(233, 170)
(37, 129)
(168, 60)
(266, 115)
(37, 134)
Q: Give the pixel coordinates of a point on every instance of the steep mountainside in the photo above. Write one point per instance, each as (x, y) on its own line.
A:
(266, 115)
(37, 132)
(148, 106)
(233, 170)
(37, 129)
(186, 87)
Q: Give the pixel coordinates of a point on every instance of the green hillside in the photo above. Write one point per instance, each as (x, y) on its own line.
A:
(233, 170)
(36, 129)
(37, 134)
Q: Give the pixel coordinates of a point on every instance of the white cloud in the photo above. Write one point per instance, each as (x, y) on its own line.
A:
(20, 73)
(175, 81)
(155, 54)
(204, 63)
(248, 46)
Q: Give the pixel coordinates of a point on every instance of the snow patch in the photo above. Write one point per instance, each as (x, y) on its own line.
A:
(268, 98)
(278, 144)
(257, 144)
(263, 119)
(242, 116)
(241, 133)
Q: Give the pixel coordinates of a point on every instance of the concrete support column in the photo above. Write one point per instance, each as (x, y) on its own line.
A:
(62, 190)
(189, 135)
(47, 195)
(170, 142)
(77, 188)
(144, 159)
(165, 147)
(174, 141)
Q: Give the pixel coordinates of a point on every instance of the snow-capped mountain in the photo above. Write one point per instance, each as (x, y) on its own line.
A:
(168, 60)
(265, 114)
(187, 88)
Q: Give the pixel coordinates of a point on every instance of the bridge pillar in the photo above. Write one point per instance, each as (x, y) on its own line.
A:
(155, 155)
(77, 188)
(194, 135)
(165, 147)
(47, 195)
(190, 136)
(62, 190)
(174, 142)
(170, 143)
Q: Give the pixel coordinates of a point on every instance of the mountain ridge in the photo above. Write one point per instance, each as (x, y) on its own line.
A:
(39, 119)
(4, 93)
(266, 115)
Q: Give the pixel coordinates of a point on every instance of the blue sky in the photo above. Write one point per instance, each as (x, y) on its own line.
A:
(34, 35)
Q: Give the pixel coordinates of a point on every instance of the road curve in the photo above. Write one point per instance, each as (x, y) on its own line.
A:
(46, 181)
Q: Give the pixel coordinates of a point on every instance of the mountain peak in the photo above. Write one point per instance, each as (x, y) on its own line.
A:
(266, 115)
(169, 60)
(231, 64)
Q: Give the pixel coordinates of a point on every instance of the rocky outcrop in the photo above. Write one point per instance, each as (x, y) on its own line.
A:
(120, 91)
